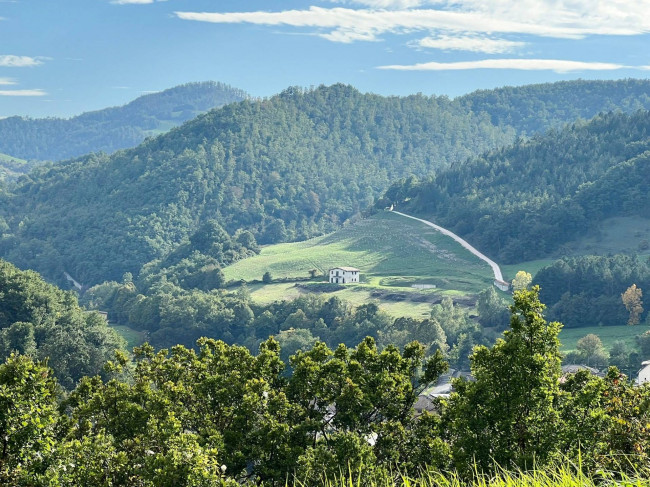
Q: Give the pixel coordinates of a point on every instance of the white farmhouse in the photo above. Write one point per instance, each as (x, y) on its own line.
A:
(344, 275)
(644, 373)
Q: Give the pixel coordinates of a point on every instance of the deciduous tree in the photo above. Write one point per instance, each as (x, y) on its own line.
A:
(521, 281)
(507, 415)
(633, 303)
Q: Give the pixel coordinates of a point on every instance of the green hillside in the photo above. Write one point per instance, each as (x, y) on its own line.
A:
(536, 108)
(113, 128)
(392, 252)
(287, 168)
(525, 202)
(299, 164)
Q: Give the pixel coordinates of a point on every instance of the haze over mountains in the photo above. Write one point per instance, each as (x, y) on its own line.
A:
(113, 128)
(299, 164)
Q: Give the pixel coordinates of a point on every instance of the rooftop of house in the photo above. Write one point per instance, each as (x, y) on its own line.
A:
(349, 269)
(573, 368)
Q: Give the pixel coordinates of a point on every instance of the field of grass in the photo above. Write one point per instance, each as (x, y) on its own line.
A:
(355, 295)
(133, 337)
(616, 235)
(389, 249)
(608, 335)
(567, 475)
(392, 252)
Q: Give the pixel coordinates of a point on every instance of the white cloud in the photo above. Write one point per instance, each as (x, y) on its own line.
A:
(392, 4)
(468, 43)
(7, 81)
(350, 24)
(557, 65)
(37, 92)
(11, 61)
(550, 18)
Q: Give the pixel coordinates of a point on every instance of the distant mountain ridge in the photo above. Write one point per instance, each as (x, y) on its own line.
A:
(535, 108)
(113, 128)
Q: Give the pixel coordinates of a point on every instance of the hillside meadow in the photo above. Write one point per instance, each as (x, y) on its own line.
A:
(393, 254)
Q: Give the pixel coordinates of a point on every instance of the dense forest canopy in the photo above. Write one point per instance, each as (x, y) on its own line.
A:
(536, 108)
(523, 202)
(40, 320)
(285, 168)
(333, 390)
(114, 128)
(289, 167)
(222, 415)
(586, 290)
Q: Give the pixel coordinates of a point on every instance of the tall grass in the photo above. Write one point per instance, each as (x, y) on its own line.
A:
(560, 476)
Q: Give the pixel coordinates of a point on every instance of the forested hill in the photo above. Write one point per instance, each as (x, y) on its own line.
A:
(523, 202)
(292, 166)
(112, 128)
(289, 167)
(536, 108)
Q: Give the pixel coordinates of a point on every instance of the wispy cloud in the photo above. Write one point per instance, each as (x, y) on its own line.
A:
(7, 81)
(471, 44)
(37, 92)
(135, 2)
(348, 25)
(557, 65)
(11, 61)
(390, 4)
(573, 19)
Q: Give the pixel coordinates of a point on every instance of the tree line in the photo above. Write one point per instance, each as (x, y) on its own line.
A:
(586, 290)
(221, 415)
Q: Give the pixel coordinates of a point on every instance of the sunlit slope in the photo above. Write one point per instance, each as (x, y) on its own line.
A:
(388, 249)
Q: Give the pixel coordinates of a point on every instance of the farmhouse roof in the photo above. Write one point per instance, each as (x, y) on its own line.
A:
(573, 368)
(349, 269)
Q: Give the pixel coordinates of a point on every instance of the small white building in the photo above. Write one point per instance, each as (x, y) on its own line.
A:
(344, 275)
(644, 373)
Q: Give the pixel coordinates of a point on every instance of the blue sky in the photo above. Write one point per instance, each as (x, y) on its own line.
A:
(63, 57)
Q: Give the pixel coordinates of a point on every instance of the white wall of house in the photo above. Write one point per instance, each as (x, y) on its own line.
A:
(644, 373)
(344, 275)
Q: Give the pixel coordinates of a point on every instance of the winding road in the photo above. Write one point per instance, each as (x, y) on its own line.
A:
(498, 276)
(71, 279)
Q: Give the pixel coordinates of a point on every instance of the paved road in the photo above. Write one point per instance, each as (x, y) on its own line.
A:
(71, 279)
(495, 267)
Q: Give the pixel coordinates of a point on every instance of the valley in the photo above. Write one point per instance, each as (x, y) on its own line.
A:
(206, 248)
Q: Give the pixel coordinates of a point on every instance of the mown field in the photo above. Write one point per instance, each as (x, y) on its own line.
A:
(608, 334)
(389, 249)
(392, 252)
(134, 338)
